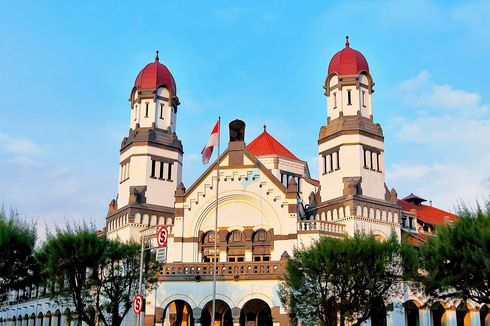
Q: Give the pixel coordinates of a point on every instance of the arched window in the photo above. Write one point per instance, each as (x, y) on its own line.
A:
(261, 246)
(208, 247)
(236, 247)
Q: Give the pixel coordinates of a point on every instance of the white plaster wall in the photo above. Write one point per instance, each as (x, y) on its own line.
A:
(159, 192)
(352, 165)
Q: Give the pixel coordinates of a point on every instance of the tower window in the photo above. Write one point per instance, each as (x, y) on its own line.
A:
(363, 98)
(324, 164)
(334, 100)
(365, 161)
(161, 111)
(136, 112)
(161, 170)
(377, 162)
(349, 97)
(331, 163)
(153, 168)
(169, 172)
(146, 110)
(338, 160)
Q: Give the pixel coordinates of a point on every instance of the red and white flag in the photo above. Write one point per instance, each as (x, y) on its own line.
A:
(213, 141)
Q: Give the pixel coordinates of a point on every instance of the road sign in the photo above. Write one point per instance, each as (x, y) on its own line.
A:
(138, 303)
(161, 255)
(162, 236)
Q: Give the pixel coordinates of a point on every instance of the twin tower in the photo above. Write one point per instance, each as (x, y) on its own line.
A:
(351, 153)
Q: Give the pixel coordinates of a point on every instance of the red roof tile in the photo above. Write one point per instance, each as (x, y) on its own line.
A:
(265, 144)
(428, 214)
(154, 75)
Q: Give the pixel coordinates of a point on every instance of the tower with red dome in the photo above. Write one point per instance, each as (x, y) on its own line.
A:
(150, 166)
(351, 144)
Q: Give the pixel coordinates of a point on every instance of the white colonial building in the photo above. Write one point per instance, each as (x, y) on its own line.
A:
(267, 205)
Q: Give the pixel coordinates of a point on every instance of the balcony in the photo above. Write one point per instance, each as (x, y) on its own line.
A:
(321, 227)
(234, 271)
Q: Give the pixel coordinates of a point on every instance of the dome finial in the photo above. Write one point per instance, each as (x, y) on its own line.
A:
(156, 57)
(347, 41)
(265, 128)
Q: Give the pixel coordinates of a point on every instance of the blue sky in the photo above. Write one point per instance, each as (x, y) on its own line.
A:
(66, 71)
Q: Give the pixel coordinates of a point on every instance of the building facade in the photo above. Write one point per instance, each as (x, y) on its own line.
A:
(268, 204)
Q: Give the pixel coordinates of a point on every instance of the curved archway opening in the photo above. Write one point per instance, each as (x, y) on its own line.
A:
(485, 315)
(438, 314)
(256, 312)
(411, 313)
(177, 313)
(463, 315)
(378, 316)
(222, 315)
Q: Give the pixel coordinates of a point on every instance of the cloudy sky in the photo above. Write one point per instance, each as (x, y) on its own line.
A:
(66, 73)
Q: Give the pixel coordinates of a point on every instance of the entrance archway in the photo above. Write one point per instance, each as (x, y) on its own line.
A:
(378, 317)
(412, 313)
(222, 315)
(485, 315)
(463, 315)
(256, 312)
(438, 313)
(178, 313)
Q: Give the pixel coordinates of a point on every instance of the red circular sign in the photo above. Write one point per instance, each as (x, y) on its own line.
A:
(162, 236)
(138, 304)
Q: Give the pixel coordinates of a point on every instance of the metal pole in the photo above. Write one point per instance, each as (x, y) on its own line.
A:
(216, 227)
(141, 274)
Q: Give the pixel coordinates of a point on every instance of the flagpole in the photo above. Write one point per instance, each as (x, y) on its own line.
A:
(216, 227)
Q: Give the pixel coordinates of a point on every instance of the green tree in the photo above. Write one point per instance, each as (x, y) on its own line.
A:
(456, 263)
(118, 280)
(97, 276)
(18, 268)
(352, 276)
(70, 259)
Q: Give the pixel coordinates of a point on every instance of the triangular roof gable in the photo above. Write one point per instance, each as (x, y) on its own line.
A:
(250, 156)
(265, 144)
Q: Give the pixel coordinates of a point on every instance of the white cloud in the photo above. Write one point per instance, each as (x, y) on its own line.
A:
(421, 92)
(16, 145)
(447, 143)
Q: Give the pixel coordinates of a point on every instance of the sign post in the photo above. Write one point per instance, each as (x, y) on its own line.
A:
(138, 304)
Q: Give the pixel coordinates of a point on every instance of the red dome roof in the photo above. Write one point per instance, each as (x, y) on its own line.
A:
(154, 75)
(348, 62)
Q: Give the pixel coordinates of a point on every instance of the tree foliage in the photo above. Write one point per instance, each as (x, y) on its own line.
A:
(97, 276)
(456, 263)
(352, 276)
(17, 265)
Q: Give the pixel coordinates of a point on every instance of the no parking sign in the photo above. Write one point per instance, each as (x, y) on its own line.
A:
(138, 303)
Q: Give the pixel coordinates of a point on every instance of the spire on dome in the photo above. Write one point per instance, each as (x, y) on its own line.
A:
(347, 41)
(156, 57)
(265, 128)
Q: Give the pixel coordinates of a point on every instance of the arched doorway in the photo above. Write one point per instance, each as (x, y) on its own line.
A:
(378, 315)
(485, 315)
(463, 315)
(438, 313)
(222, 317)
(178, 313)
(412, 313)
(256, 312)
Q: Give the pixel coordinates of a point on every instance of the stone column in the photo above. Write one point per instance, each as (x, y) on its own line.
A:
(235, 314)
(474, 317)
(451, 319)
(425, 317)
(395, 314)
(55, 320)
(196, 313)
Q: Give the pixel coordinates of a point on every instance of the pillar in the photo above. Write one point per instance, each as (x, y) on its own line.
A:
(55, 320)
(425, 317)
(47, 321)
(62, 318)
(235, 314)
(474, 317)
(196, 313)
(451, 319)
(395, 314)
